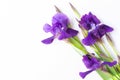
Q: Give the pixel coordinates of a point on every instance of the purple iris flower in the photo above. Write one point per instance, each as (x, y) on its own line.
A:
(59, 28)
(93, 64)
(88, 20)
(96, 34)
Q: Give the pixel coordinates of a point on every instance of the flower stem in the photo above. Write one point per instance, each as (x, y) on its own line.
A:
(111, 43)
(105, 49)
(106, 75)
(78, 45)
(114, 49)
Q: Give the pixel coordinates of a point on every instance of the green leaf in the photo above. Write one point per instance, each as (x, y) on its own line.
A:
(78, 45)
(106, 75)
(75, 11)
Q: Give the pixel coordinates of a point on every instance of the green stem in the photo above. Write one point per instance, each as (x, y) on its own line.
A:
(97, 49)
(103, 46)
(78, 45)
(113, 71)
(106, 75)
(117, 71)
(111, 43)
(114, 49)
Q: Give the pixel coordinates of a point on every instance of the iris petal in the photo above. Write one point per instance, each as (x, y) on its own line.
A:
(48, 40)
(94, 19)
(89, 19)
(84, 74)
(47, 28)
(104, 28)
(91, 62)
(110, 63)
(71, 32)
(89, 40)
(61, 18)
(87, 61)
(96, 34)
(68, 33)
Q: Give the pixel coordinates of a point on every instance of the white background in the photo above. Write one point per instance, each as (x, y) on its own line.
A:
(24, 57)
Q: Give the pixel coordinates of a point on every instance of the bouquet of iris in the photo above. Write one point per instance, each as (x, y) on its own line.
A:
(93, 31)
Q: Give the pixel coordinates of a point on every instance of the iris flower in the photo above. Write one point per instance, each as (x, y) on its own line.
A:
(88, 20)
(59, 28)
(95, 29)
(92, 63)
(96, 34)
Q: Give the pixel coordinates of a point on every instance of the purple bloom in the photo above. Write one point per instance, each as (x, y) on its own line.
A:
(101, 30)
(83, 74)
(96, 34)
(93, 64)
(88, 20)
(110, 64)
(90, 39)
(59, 28)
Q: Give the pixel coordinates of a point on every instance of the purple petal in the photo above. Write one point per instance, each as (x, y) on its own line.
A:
(91, 62)
(89, 19)
(104, 28)
(84, 74)
(96, 63)
(63, 35)
(85, 22)
(87, 62)
(68, 33)
(60, 18)
(89, 40)
(85, 25)
(47, 28)
(101, 30)
(97, 33)
(110, 63)
(56, 29)
(48, 40)
(94, 19)
(72, 32)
